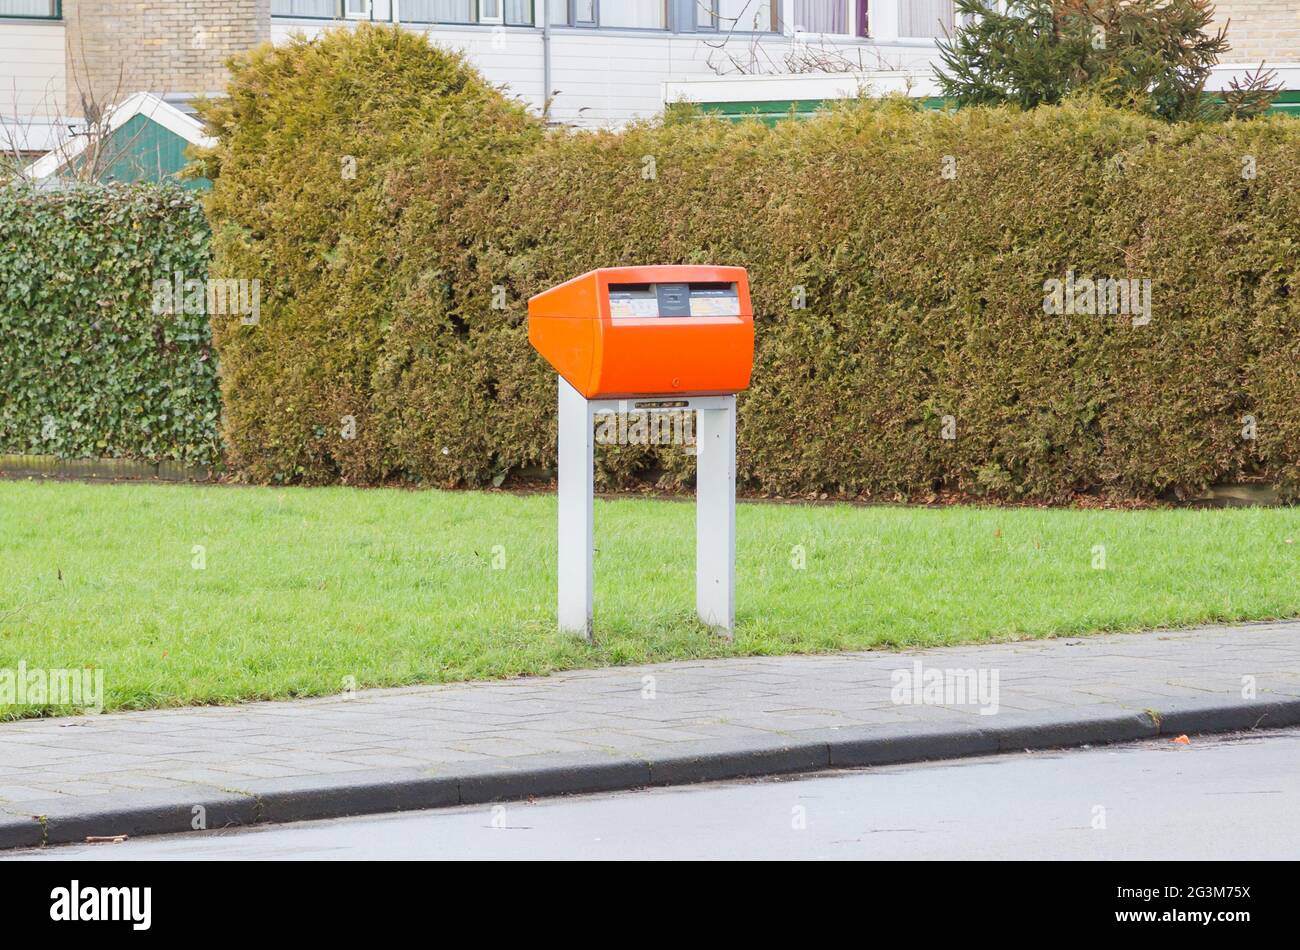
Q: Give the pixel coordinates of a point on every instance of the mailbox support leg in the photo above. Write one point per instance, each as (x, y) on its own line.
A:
(576, 477)
(715, 516)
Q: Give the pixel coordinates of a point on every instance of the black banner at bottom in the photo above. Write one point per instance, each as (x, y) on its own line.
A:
(335, 899)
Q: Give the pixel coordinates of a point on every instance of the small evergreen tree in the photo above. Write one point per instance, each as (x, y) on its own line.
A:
(1153, 55)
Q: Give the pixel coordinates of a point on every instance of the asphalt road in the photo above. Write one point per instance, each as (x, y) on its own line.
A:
(1217, 798)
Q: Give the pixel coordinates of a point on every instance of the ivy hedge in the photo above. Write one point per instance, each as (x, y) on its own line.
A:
(399, 213)
(90, 366)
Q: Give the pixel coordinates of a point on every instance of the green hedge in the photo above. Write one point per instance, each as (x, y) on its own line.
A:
(88, 369)
(924, 292)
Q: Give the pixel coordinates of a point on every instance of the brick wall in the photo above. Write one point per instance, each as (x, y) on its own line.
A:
(119, 47)
(1266, 30)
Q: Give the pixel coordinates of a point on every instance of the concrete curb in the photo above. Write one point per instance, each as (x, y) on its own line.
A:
(20, 833)
(72, 820)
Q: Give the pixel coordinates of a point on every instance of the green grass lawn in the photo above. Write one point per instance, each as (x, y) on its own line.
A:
(304, 588)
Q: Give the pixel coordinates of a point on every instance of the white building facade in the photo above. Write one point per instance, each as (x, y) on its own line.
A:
(586, 62)
(604, 62)
(597, 62)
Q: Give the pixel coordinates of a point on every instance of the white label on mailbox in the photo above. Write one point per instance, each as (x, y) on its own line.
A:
(634, 307)
(727, 306)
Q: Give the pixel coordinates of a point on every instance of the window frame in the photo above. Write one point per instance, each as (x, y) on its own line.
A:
(592, 24)
(400, 18)
(336, 15)
(56, 5)
(573, 23)
(956, 25)
(716, 12)
(676, 22)
(859, 12)
(714, 16)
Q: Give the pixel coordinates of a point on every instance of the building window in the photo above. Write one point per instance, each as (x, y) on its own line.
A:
(439, 11)
(520, 12)
(32, 9)
(825, 16)
(356, 9)
(635, 14)
(926, 18)
(310, 9)
(616, 14)
(509, 12)
(740, 16)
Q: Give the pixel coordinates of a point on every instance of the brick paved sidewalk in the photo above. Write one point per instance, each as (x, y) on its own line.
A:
(625, 713)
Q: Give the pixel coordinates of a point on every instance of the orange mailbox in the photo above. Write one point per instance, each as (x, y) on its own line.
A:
(648, 331)
(622, 338)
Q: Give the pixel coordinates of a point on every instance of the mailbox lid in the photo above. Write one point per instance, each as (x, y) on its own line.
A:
(587, 297)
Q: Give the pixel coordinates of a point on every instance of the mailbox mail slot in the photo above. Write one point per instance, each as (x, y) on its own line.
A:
(646, 331)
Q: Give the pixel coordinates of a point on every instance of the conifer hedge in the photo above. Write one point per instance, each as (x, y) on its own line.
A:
(399, 212)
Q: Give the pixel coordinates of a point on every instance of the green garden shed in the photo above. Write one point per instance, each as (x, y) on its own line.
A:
(146, 139)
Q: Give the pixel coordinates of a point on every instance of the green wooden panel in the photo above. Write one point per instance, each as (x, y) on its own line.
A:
(778, 109)
(1287, 102)
(770, 111)
(142, 150)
